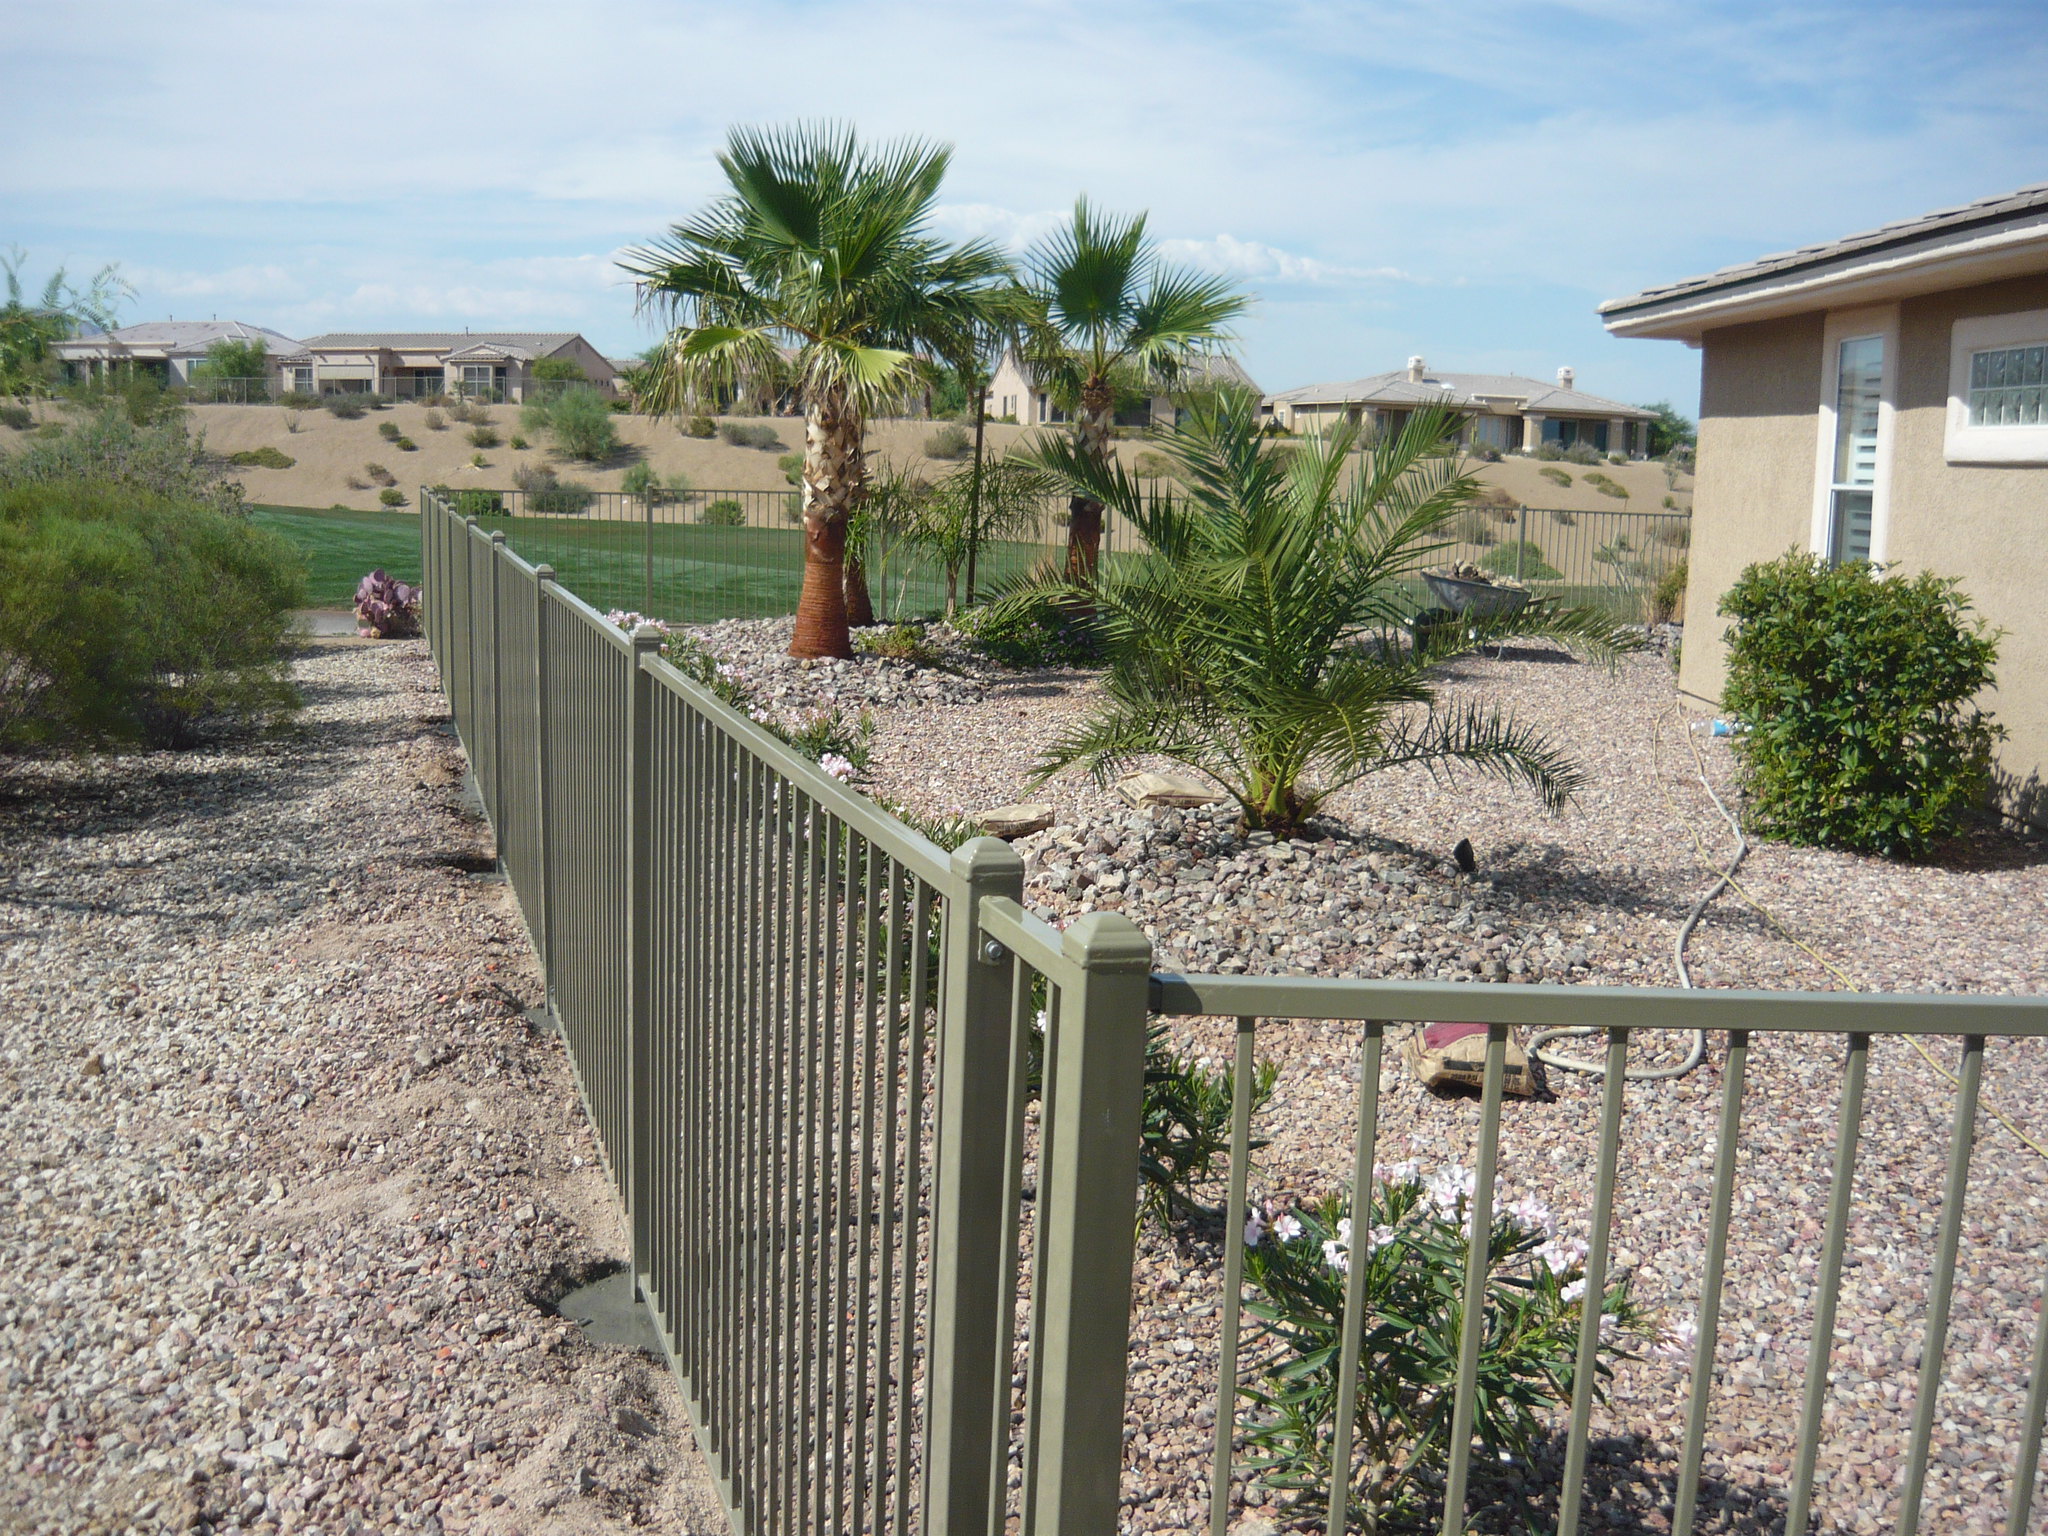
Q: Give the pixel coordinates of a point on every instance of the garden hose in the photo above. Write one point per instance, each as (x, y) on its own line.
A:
(1726, 880)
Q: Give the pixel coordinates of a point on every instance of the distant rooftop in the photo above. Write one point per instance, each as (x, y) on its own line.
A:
(179, 338)
(529, 343)
(1461, 389)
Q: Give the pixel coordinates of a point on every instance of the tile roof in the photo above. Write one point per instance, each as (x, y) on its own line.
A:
(532, 343)
(178, 338)
(1943, 224)
(1460, 389)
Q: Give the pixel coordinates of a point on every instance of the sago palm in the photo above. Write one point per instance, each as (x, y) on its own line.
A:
(821, 247)
(1110, 314)
(1256, 638)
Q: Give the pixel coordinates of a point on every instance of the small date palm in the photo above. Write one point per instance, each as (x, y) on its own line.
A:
(1256, 638)
(818, 263)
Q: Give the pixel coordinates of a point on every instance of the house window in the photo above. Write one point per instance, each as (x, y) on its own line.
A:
(1859, 397)
(2009, 387)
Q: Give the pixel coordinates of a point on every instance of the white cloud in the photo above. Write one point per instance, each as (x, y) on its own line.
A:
(1253, 260)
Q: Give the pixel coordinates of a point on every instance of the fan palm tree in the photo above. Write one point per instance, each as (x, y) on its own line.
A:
(822, 246)
(1256, 637)
(1110, 314)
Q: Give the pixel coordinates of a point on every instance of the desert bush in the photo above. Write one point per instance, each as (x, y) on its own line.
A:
(1612, 488)
(478, 461)
(1555, 475)
(951, 441)
(1670, 503)
(19, 417)
(566, 497)
(379, 475)
(1547, 451)
(133, 618)
(1582, 453)
(387, 608)
(700, 426)
(1152, 466)
(725, 513)
(1412, 1239)
(1031, 629)
(474, 503)
(1667, 597)
(747, 435)
(1562, 517)
(792, 467)
(518, 443)
(898, 642)
(1676, 534)
(299, 400)
(1521, 559)
(1474, 527)
(483, 437)
(292, 420)
(576, 421)
(388, 430)
(1617, 458)
(356, 483)
(1485, 453)
(265, 457)
(436, 422)
(109, 445)
(793, 508)
(405, 445)
(345, 407)
(1857, 688)
(391, 496)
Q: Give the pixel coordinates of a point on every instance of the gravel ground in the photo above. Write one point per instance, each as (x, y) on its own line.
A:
(290, 1181)
(1593, 896)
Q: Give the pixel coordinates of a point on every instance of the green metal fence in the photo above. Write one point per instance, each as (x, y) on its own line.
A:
(808, 1040)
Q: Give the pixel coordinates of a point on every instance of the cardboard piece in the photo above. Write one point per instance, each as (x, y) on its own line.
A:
(1438, 1054)
(1165, 789)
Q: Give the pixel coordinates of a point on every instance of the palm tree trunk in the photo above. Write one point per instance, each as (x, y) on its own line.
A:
(1093, 424)
(860, 607)
(979, 404)
(832, 484)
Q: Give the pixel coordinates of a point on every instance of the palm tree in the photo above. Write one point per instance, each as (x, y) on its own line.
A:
(1256, 639)
(821, 246)
(28, 328)
(1110, 314)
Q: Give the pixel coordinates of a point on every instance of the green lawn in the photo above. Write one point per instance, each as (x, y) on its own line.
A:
(688, 572)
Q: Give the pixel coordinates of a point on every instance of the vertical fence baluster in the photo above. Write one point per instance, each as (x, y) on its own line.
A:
(635, 1180)
(1941, 1286)
(888, 1462)
(2025, 1470)
(1242, 1077)
(1586, 1373)
(913, 1163)
(1725, 1157)
(1847, 1131)
(1478, 1264)
(543, 712)
(1034, 1364)
(1364, 1151)
(1013, 1231)
(963, 1337)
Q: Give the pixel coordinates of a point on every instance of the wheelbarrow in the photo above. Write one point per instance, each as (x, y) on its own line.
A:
(1465, 600)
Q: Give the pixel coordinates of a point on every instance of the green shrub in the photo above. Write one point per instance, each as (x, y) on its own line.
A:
(1555, 475)
(298, 400)
(725, 513)
(1031, 629)
(388, 430)
(391, 496)
(746, 435)
(1486, 453)
(792, 467)
(379, 475)
(1582, 453)
(1521, 559)
(405, 445)
(19, 417)
(1667, 597)
(1474, 527)
(700, 426)
(951, 441)
(157, 456)
(346, 407)
(518, 442)
(1548, 451)
(472, 503)
(899, 642)
(1185, 1137)
(576, 421)
(478, 461)
(483, 437)
(1857, 687)
(1152, 466)
(436, 422)
(1411, 1239)
(1612, 488)
(132, 618)
(265, 457)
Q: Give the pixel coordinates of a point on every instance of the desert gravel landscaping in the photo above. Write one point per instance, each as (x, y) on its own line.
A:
(290, 1179)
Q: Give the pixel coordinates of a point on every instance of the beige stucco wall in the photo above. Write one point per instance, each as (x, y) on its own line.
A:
(1759, 414)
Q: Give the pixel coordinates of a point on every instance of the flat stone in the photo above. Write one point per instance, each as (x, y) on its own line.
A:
(1014, 820)
(336, 1441)
(631, 1421)
(1168, 789)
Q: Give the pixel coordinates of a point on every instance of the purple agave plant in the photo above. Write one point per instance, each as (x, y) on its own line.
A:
(387, 609)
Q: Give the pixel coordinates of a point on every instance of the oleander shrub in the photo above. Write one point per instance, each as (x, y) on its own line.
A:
(1412, 1240)
(1184, 1135)
(742, 434)
(1857, 687)
(391, 496)
(725, 513)
(134, 619)
(265, 457)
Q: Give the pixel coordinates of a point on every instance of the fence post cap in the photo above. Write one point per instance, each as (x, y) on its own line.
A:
(988, 861)
(497, 535)
(543, 573)
(646, 638)
(1107, 941)
(469, 522)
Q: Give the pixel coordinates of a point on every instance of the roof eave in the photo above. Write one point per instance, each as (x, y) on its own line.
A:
(1860, 278)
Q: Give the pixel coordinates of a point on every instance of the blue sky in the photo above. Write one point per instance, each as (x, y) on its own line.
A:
(1466, 182)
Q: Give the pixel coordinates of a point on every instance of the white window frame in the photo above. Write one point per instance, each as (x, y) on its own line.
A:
(1881, 321)
(1965, 444)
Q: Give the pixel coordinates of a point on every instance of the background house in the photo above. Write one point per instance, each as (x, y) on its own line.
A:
(406, 364)
(1501, 410)
(169, 349)
(1881, 397)
(1015, 393)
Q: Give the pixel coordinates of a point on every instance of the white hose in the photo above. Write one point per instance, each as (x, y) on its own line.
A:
(1698, 1052)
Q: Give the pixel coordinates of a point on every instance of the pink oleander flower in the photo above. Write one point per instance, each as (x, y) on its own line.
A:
(1562, 1255)
(837, 766)
(1533, 1216)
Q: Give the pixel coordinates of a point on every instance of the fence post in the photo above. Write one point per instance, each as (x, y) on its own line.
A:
(498, 827)
(647, 602)
(543, 580)
(1087, 1195)
(635, 1176)
(466, 728)
(968, 1338)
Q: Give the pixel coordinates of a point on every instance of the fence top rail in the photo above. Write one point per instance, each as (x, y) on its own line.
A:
(614, 636)
(1868, 1013)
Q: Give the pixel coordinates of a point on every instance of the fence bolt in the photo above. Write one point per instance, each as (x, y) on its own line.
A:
(992, 952)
